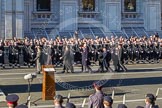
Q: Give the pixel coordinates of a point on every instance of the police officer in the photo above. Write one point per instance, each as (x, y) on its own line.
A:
(96, 100)
(150, 101)
(12, 100)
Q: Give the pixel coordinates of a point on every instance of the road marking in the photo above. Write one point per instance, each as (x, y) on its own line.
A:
(13, 73)
(2, 96)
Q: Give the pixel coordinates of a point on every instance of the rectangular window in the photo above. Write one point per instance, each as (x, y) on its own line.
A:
(130, 5)
(88, 5)
(43, 5)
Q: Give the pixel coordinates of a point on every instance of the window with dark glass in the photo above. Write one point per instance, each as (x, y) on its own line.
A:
(43, 5)
(130, 5)
(88, 5)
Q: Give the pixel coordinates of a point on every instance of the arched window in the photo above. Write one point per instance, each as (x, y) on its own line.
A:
(88, 5)
(130, 5)
(43, 5)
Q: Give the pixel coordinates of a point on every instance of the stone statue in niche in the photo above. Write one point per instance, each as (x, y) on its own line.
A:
(88, 5)
(130, 6)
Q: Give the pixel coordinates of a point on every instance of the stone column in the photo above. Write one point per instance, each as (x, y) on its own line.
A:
(27, 15)
(13, 18)
(112, 15)
(1, 20)
(19, 10)
(152, 15)
(68, 15)
(8, 10)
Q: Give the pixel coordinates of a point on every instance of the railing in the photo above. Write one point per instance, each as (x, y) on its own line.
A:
(130, 15)
(43, 16)
(89, 15)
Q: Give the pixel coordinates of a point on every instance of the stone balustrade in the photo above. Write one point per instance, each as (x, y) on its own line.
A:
(89, 15)
(43, 16)
(130, 15)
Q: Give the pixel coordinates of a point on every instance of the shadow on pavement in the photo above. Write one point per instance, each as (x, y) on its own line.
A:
(81, 84)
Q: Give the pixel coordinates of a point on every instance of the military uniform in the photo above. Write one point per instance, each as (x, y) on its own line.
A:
(96, 100)
(13, 54)
(125, 53)
(1, 54)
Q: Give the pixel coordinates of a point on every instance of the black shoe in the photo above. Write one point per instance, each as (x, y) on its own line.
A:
(109, 70)
(38, 72)
(117, 70)
(90, 71)
(63, 72)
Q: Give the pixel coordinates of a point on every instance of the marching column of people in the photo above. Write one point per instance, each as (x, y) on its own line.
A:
(100, 51)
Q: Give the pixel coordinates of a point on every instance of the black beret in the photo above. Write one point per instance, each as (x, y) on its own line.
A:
(139, 107)
(108, 99)
(58, 97)
(70, 105)
(21, 106)
(151, 97)
(122, 106)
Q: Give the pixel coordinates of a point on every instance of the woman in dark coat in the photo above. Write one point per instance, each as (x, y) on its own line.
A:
(85, 59)
(68, 59)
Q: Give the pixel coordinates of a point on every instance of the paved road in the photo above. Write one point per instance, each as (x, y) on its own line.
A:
(139, 80)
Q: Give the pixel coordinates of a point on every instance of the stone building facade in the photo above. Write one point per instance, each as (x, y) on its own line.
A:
(35, 18)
